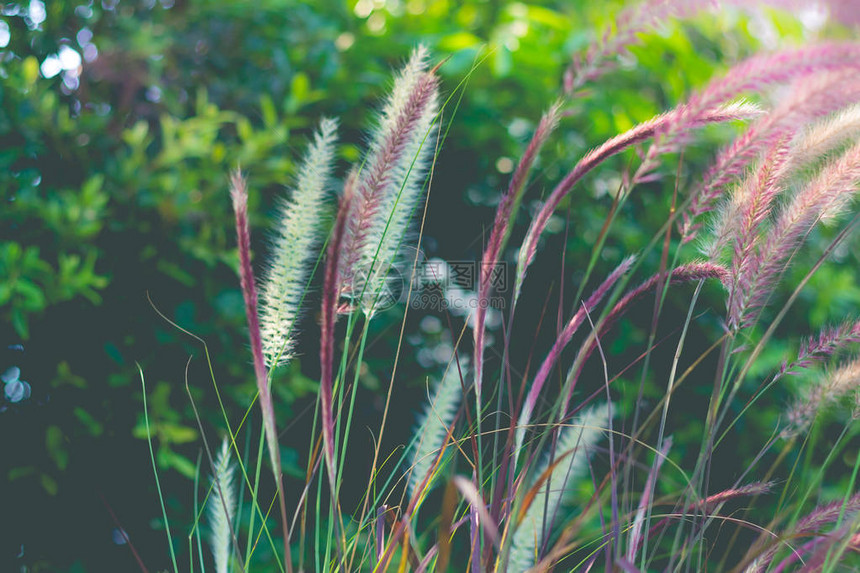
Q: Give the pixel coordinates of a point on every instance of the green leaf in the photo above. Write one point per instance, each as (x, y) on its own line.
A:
(18, 473)
(177, 434)
(55, 444)
(170, 459)
(49, 484)
(94, 427)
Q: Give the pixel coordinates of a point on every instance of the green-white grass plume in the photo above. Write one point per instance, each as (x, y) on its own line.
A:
(575, 443)
(297, 233)
(221, 509)
(434, 423)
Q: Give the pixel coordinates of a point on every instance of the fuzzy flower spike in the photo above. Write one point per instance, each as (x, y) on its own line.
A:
(389, 183)
(221, 509)
(554, 476)
(297, 233)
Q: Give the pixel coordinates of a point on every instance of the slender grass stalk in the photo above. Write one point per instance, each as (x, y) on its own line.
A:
(561, 342)
(331, 287)
(239, 194)
(254, 495)
(501, 231)
(155, 472)
(195, 529)
(256, 510)
(645, 502)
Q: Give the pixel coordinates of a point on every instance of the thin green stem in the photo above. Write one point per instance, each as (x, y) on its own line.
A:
(155, 472)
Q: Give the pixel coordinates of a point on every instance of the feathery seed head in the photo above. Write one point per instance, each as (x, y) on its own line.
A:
(575, 441)
(809, 98)
(828, 341)
(823, 198)
(839, 384)
(297, 234)
(222, 508)
(435, 422)
(389, 183)
(826, 136)
(238, 192)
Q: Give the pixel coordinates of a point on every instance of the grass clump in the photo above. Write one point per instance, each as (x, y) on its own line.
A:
(514, 458)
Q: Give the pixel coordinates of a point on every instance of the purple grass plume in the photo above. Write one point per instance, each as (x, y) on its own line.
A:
(502, 226)
(822, 199)
(809, 525)
(839, 384)
(592, 159)
(809, 99)
(332, 284)
(389, 183)
(239, 195)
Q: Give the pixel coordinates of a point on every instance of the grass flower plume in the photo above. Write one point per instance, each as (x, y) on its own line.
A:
(389, 182)
(221, 509)
(298, 231)
(556, 472)
(434, 425)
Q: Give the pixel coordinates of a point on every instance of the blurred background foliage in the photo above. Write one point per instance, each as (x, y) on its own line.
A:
(119, 121)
